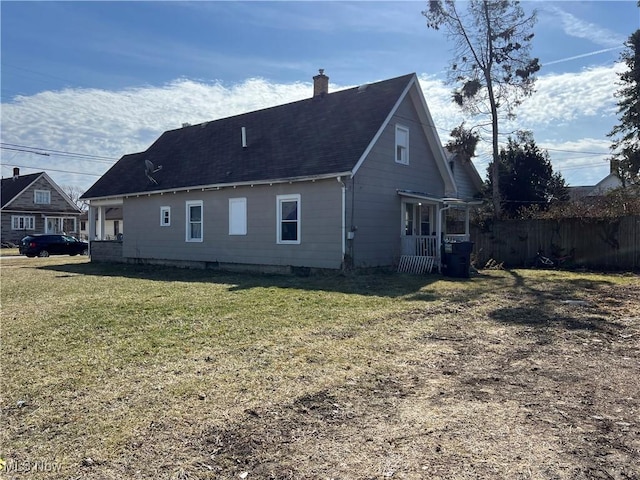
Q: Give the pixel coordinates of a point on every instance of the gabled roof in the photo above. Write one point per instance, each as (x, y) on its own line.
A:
(320, 136)
(12, 187)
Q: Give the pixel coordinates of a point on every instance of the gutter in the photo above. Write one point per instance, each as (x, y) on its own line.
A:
(219, 186)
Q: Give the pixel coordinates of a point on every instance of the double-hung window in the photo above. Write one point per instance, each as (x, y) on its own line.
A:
(402, 145)
(194, 224)
(288, 218)
(42, 197)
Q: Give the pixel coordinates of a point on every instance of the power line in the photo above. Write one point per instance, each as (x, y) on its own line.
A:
(573, 151)
(56, 170)
(58, 153)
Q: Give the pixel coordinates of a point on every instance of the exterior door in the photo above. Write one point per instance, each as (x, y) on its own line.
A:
(53, 225)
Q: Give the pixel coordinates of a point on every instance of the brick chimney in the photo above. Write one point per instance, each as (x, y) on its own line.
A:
(16, 172)
(320, 84)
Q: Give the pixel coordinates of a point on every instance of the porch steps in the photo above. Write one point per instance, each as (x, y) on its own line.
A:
(416, 264)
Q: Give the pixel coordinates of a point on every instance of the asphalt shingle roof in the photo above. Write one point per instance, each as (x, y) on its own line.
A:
(10, 187)
(315, 136)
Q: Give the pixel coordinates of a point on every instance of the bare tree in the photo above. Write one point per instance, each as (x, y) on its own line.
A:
(74, 193)
(491, 61)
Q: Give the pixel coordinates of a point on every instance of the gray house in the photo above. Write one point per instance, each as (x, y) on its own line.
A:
(356, 178)
(33, 204)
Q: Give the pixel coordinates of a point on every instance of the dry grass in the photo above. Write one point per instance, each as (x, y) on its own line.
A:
(121, 372)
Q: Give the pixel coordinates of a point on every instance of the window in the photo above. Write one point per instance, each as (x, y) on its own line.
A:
(288, 218)
(402, 145)
(194, 221)
(237, 216)
(22, 223)
(42, 197)
(165, 216)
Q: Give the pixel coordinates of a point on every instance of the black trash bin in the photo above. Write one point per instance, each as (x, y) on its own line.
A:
(456, 259)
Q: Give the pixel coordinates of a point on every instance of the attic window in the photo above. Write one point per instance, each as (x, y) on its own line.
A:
(42, 197)
(402, 145)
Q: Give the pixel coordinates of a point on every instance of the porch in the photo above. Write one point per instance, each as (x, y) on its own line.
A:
(420, 253)
(427, 222)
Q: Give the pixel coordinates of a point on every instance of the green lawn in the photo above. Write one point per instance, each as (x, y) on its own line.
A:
(116, 371)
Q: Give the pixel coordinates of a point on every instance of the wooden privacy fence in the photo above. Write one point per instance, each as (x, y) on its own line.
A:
(608, 244)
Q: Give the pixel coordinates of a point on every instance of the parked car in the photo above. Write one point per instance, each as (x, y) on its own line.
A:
(45, 245)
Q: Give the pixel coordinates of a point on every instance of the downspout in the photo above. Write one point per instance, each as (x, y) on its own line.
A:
(343, 228)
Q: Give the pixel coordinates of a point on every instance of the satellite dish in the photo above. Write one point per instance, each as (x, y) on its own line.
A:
(150, 169)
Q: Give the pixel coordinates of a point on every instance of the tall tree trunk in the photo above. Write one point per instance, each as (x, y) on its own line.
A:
(495, 170)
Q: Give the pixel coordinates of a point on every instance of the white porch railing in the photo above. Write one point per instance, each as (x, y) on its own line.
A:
(420, 245)
(426, 245)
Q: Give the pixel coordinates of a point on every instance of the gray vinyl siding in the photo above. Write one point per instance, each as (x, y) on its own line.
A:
(377, 206)
(464, 183)
(320, 216)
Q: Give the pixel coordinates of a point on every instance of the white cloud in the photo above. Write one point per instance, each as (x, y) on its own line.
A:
(576, 27)
(113, 123)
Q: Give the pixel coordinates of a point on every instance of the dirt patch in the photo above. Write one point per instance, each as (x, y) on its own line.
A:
(546, 391)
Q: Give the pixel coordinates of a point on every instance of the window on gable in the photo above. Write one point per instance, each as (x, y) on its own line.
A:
(23, 223)
(42, 197)
(237, 216)
(194, 221)
(165, 216)
(402, 144)
(288, 218)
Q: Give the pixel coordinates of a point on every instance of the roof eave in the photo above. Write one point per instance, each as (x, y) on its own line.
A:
(218, 186)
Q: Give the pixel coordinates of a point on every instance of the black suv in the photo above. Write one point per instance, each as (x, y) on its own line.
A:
(45, 245)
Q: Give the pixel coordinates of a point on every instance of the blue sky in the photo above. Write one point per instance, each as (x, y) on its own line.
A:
(102, 79)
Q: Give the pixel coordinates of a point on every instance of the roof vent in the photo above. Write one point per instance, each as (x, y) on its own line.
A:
(244, 137)
(186, 124)
(16, 173)
(362, 87)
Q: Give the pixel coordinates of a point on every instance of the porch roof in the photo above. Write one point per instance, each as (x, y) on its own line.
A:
(444, 200)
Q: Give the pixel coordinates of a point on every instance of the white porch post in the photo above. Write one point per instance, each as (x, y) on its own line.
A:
(439, 237)
(91, 219)
(100, 225)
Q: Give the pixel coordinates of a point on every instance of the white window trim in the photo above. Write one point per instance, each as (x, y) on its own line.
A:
(188, 205)
(46, 193)
(28, 221)
(164, 210)
(405, 160)
(238, 218)
(279, 200)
